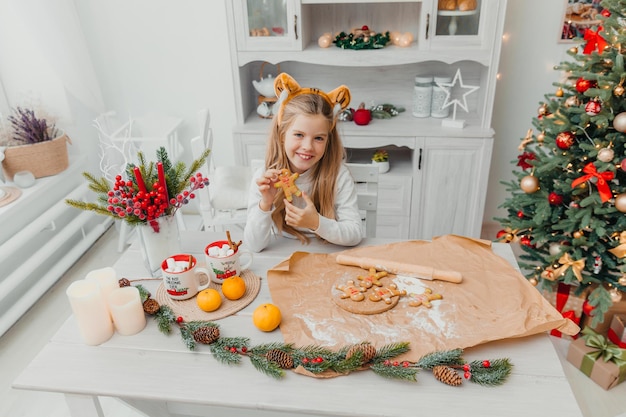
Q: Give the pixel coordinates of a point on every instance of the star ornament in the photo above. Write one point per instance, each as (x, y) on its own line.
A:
(451, 87)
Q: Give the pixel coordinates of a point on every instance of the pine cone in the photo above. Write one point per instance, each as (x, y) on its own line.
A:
(151, 306)
(367, 351)
(206, 335)
(281, 358)
(447, 375)
(124, 283)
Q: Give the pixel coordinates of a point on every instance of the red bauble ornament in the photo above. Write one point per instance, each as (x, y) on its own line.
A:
(583, 85)
(555, 199)
(525, 240)
(520, 214)
(565, 140)
(605, 13)
(593, 108)
(362, 116)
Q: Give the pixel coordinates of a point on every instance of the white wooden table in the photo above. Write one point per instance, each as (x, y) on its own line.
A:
(159, 376)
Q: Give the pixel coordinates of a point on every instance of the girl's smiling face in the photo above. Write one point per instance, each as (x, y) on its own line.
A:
(305, 141)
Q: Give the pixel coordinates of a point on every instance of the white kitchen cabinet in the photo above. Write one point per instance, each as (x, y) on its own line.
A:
(438, 178)
(450, 190)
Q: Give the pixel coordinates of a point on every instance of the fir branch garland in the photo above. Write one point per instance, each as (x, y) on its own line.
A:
(273, 358)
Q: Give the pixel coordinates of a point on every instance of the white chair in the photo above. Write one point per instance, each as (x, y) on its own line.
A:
(366, 179)
(120, 142)
(225, 201)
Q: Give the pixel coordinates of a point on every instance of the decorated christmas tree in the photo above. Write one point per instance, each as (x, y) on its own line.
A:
(568, 200)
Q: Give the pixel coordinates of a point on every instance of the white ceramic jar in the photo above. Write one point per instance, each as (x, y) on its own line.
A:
(422, 95)
(439, 97)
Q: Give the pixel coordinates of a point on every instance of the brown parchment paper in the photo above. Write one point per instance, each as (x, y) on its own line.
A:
(494, 301)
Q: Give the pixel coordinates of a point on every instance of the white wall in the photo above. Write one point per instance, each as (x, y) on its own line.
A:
(168, 57)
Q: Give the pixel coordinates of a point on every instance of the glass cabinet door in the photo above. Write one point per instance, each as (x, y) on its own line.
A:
(267, 25)
(459, 23)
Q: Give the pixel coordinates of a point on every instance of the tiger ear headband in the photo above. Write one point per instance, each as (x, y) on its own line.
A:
(287, 88)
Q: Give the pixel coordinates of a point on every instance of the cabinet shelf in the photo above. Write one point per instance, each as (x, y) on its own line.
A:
(387, 56)
(399, 126)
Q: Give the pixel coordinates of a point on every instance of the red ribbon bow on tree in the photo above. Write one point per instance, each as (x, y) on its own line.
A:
(594, 40)
(603, 186)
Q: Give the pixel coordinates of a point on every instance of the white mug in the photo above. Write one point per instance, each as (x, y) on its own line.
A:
(224, 263)
(181, 276)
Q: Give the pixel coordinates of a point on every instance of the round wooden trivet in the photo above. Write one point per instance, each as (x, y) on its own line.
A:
(189, 310)
(365, 306)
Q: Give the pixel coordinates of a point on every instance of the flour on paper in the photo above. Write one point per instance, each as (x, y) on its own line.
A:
(430, 320)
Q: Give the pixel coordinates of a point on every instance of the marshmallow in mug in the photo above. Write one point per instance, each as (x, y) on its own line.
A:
(176, 266)
(222, 252)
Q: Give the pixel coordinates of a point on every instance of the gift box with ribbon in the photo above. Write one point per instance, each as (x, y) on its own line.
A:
(617, 331)
(618, 307)
(599, 359)
(564, 299)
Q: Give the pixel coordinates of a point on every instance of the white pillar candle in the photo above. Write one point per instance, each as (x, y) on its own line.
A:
(127, 310)
(90, 311)
(106, 278)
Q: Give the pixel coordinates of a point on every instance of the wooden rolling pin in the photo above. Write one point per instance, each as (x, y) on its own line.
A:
(400, 268)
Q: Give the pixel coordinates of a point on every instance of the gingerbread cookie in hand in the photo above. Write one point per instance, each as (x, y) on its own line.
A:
(287, 181)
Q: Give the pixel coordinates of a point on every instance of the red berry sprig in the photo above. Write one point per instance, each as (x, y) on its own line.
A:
(196, 182)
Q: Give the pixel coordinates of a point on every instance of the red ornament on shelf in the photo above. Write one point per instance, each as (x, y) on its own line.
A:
(555, 199)
(593, 108)
(565, 140)
(583, 85)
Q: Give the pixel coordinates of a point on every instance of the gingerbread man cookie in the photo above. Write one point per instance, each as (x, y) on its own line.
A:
(372, 279)
(424, 299)
(287, 181)
(352, 291)
(386, 293)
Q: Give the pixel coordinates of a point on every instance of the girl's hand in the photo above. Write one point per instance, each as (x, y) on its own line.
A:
(306, 217)
(267, 189)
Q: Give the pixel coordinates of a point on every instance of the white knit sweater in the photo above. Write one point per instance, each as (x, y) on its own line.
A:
(345, 231)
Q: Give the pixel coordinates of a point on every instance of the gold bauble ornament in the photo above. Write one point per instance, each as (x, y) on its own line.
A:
(620, 202)
(619, 122)
(559, 92)
(618, 90)
(573, 50)
(533, 281)
(577, 234)
(529, 184)
(541, 137)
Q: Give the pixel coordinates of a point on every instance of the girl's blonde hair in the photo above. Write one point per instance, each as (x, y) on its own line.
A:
(325, 172)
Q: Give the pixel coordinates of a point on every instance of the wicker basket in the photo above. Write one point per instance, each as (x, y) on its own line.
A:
(42, 159)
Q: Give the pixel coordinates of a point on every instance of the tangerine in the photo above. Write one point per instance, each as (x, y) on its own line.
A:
(266, 317)
(209, 300)
(233, 287)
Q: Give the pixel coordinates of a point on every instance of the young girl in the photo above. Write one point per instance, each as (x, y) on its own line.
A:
(305, 141)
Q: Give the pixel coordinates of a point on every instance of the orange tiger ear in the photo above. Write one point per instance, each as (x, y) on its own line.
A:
(287, 88)
(285, 82)
(341, 96)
